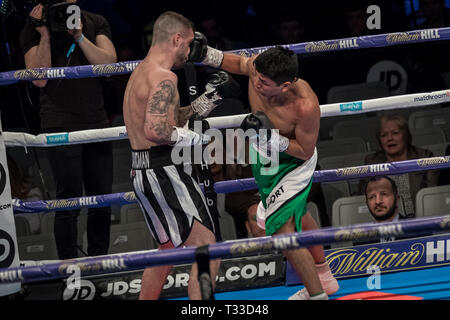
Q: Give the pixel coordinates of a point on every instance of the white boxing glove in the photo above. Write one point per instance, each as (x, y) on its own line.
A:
(183, 137)
(207, 102)
(275, 143)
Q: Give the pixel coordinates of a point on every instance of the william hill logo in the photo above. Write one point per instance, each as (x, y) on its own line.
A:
(373, 168)
(29, 74)
(429, 34)
(432, 161)
(350, 261)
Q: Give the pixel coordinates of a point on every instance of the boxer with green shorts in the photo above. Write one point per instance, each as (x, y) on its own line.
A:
(283, 191)
(285, 120)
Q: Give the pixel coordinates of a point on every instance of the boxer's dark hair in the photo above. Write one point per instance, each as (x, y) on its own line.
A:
(169, 23)
(278, 63)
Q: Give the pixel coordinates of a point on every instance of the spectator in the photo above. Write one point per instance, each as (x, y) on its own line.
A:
(356, 17)
(355, 20)
(395, 140)
(316, 195)
(241, 204)
(210, 26)
(253, 230)
(424, 73)
(436, 16)
(23, 190)
(254, 23)
(435, 13)
(383, 200)
(70, 105)
(237, 204)
(290, 30)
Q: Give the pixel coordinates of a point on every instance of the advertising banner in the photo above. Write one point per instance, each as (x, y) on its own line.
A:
(402, 255)
(9, 253)
(234, 274)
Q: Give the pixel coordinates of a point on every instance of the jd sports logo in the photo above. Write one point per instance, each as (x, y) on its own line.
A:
(85, 292)
(2, 179)
(7, 249)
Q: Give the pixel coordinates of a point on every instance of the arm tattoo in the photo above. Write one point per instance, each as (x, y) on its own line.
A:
(161, 104)
(183, 115)
(161, 101)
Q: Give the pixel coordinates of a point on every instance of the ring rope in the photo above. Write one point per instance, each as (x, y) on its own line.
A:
(328, 110)
(228, 249)
(330, 175)
(372, 41)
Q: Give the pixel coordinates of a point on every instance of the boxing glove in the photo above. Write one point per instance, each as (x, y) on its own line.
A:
(183, 137)
(201, 52)
(269, 140)
(219, 86)
(224, 84)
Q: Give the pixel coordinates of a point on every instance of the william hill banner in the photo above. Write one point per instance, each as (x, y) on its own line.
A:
(393, 256)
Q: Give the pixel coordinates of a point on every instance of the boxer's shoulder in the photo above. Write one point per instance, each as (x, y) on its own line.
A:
(305, 100)
(161, 79)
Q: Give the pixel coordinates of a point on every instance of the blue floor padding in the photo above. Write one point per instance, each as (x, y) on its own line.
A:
(429, 284)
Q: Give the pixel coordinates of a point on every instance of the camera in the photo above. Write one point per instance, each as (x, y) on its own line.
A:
(54, 13)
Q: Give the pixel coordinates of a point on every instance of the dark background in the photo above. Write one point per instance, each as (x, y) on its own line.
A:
(245, 24)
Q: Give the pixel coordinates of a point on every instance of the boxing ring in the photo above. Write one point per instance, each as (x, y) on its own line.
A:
(423, 279)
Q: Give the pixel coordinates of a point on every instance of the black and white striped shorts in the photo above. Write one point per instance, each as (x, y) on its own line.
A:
(168, 195)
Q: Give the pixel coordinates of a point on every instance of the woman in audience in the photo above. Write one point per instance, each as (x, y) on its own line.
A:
(395, 140)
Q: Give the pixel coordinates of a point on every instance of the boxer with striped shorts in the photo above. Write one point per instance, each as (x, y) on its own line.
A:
(172, 202)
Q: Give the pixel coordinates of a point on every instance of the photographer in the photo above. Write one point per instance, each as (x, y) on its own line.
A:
(71, 105)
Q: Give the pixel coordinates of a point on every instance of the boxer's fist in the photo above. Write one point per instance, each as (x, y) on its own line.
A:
(201, 52)
(183, 137)
(268, 138)
(256, 121)
(199, 47)
(219, 86)
(197, 124)
(224, 84)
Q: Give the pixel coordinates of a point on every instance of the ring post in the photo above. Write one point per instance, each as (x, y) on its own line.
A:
(204, 275)
(9, 252)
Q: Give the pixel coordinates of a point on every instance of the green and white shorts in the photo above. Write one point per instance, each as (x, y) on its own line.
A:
(287, 198)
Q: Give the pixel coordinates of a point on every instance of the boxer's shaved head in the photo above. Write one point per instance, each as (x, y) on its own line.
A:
(168, 24)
